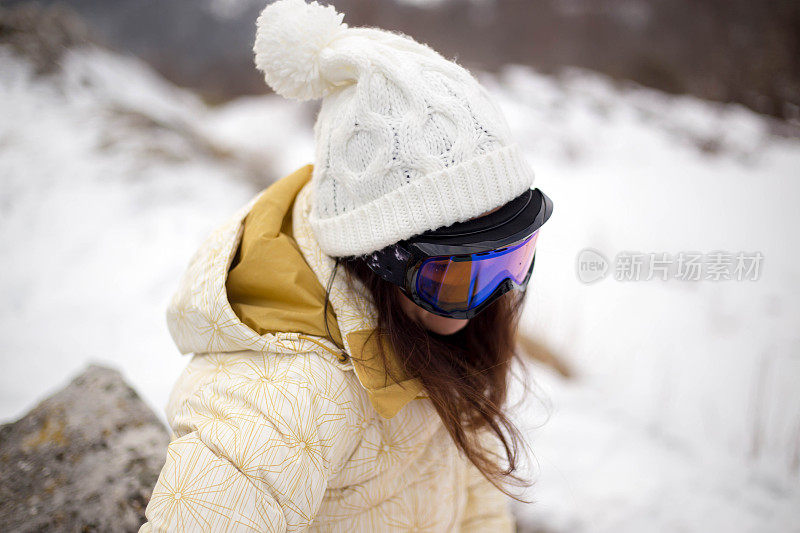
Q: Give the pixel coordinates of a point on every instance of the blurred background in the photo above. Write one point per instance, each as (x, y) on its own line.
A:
(129, 129)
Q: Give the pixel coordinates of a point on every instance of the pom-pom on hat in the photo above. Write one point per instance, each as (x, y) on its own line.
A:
(406, 140)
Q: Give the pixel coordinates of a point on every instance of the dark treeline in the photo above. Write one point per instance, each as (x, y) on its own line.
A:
(726, 50)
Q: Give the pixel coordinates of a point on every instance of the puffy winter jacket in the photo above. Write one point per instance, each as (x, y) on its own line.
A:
(278, 426)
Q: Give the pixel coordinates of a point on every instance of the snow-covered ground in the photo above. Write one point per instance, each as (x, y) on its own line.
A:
(110, 179)
(684, 414)
(686, 410)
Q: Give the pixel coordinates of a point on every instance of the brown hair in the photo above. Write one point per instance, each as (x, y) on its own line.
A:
(465, 374)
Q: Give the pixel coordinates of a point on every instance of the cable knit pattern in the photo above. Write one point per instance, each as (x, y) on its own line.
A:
(406, 141)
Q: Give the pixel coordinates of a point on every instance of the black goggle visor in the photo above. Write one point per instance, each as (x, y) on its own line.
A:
(458, 270)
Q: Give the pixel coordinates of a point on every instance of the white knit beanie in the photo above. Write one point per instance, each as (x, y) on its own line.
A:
(406, 141)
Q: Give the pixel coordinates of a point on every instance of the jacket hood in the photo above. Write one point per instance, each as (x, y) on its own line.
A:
(258, 283)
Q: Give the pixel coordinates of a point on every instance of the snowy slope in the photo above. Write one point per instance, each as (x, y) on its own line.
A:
(109, 183)
(686, 408)
(685, 412)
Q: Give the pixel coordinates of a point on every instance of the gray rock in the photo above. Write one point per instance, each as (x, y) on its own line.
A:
(84, 459)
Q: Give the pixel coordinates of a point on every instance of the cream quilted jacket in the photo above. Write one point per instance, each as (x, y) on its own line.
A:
(287, 430)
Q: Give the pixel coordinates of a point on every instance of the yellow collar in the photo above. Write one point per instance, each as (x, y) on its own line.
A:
(277, 241)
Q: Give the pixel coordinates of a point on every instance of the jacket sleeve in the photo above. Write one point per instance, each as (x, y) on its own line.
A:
(254, 453)
(487, 507)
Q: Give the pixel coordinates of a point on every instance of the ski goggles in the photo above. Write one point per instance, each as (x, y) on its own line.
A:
(459, 270)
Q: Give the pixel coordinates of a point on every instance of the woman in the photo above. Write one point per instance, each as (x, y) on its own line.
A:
(352, 326)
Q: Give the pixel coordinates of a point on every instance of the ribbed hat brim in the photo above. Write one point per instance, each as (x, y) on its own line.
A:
(454, 194)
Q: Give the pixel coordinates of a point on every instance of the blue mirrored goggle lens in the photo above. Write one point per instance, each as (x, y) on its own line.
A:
(463, 282)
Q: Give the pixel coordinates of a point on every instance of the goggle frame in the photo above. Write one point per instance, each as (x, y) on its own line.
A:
(519, 219)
